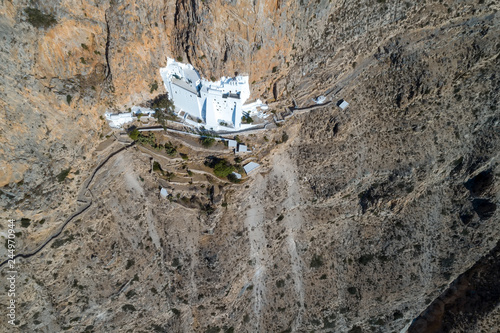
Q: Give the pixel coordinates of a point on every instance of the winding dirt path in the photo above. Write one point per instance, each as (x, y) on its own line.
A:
(84, 196)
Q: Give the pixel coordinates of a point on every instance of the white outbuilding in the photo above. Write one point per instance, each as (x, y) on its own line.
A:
(343, 104)
(250, 167)
(242, 148)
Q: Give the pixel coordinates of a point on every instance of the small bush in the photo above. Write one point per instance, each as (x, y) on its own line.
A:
(280, 218)
(128, 307)
(280, 283)
(184, 156)
(130, 263)
(170, 149)
(130, 294)
(316, 261)
(356, 329)
(154, 86)
(365, 259)
(207, 141)
(68, 99)
(223, 168)
(398, 315)
(63, 174)
(352, 290)
(38, 19)
(85, 47)
(156, 167)
(212, 329)
(61, 241)
(179, 59)
(25, 222)
(247, 119)
(134, 135)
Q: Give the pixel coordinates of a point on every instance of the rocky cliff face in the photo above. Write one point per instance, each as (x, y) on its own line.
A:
(356, 223)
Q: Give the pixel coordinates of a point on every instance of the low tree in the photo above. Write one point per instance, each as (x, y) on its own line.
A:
(207, 141)
(164, 109)
(223, 168)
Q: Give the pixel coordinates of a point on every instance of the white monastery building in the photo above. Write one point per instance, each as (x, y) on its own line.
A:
(213, 103)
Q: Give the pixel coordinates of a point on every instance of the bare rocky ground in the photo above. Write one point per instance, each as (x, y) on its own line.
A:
(356, 223)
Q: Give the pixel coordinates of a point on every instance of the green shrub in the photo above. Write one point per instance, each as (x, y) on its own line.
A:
(134, 135)
(154, 86)
(128, 307)
(398, 315)
(170, 149)
(247, 119)
(179, 59)
(85, 47)
(61, 241)
(184, 156)
(207, 141)
(223, 168)
(68, 99)
(63, 174)
(355, 328)
(130, 294)
(212, 329)
(130, 263)
(316, 261)
(25, 222)
(38, 19)
(156, 167)
(365, 259)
